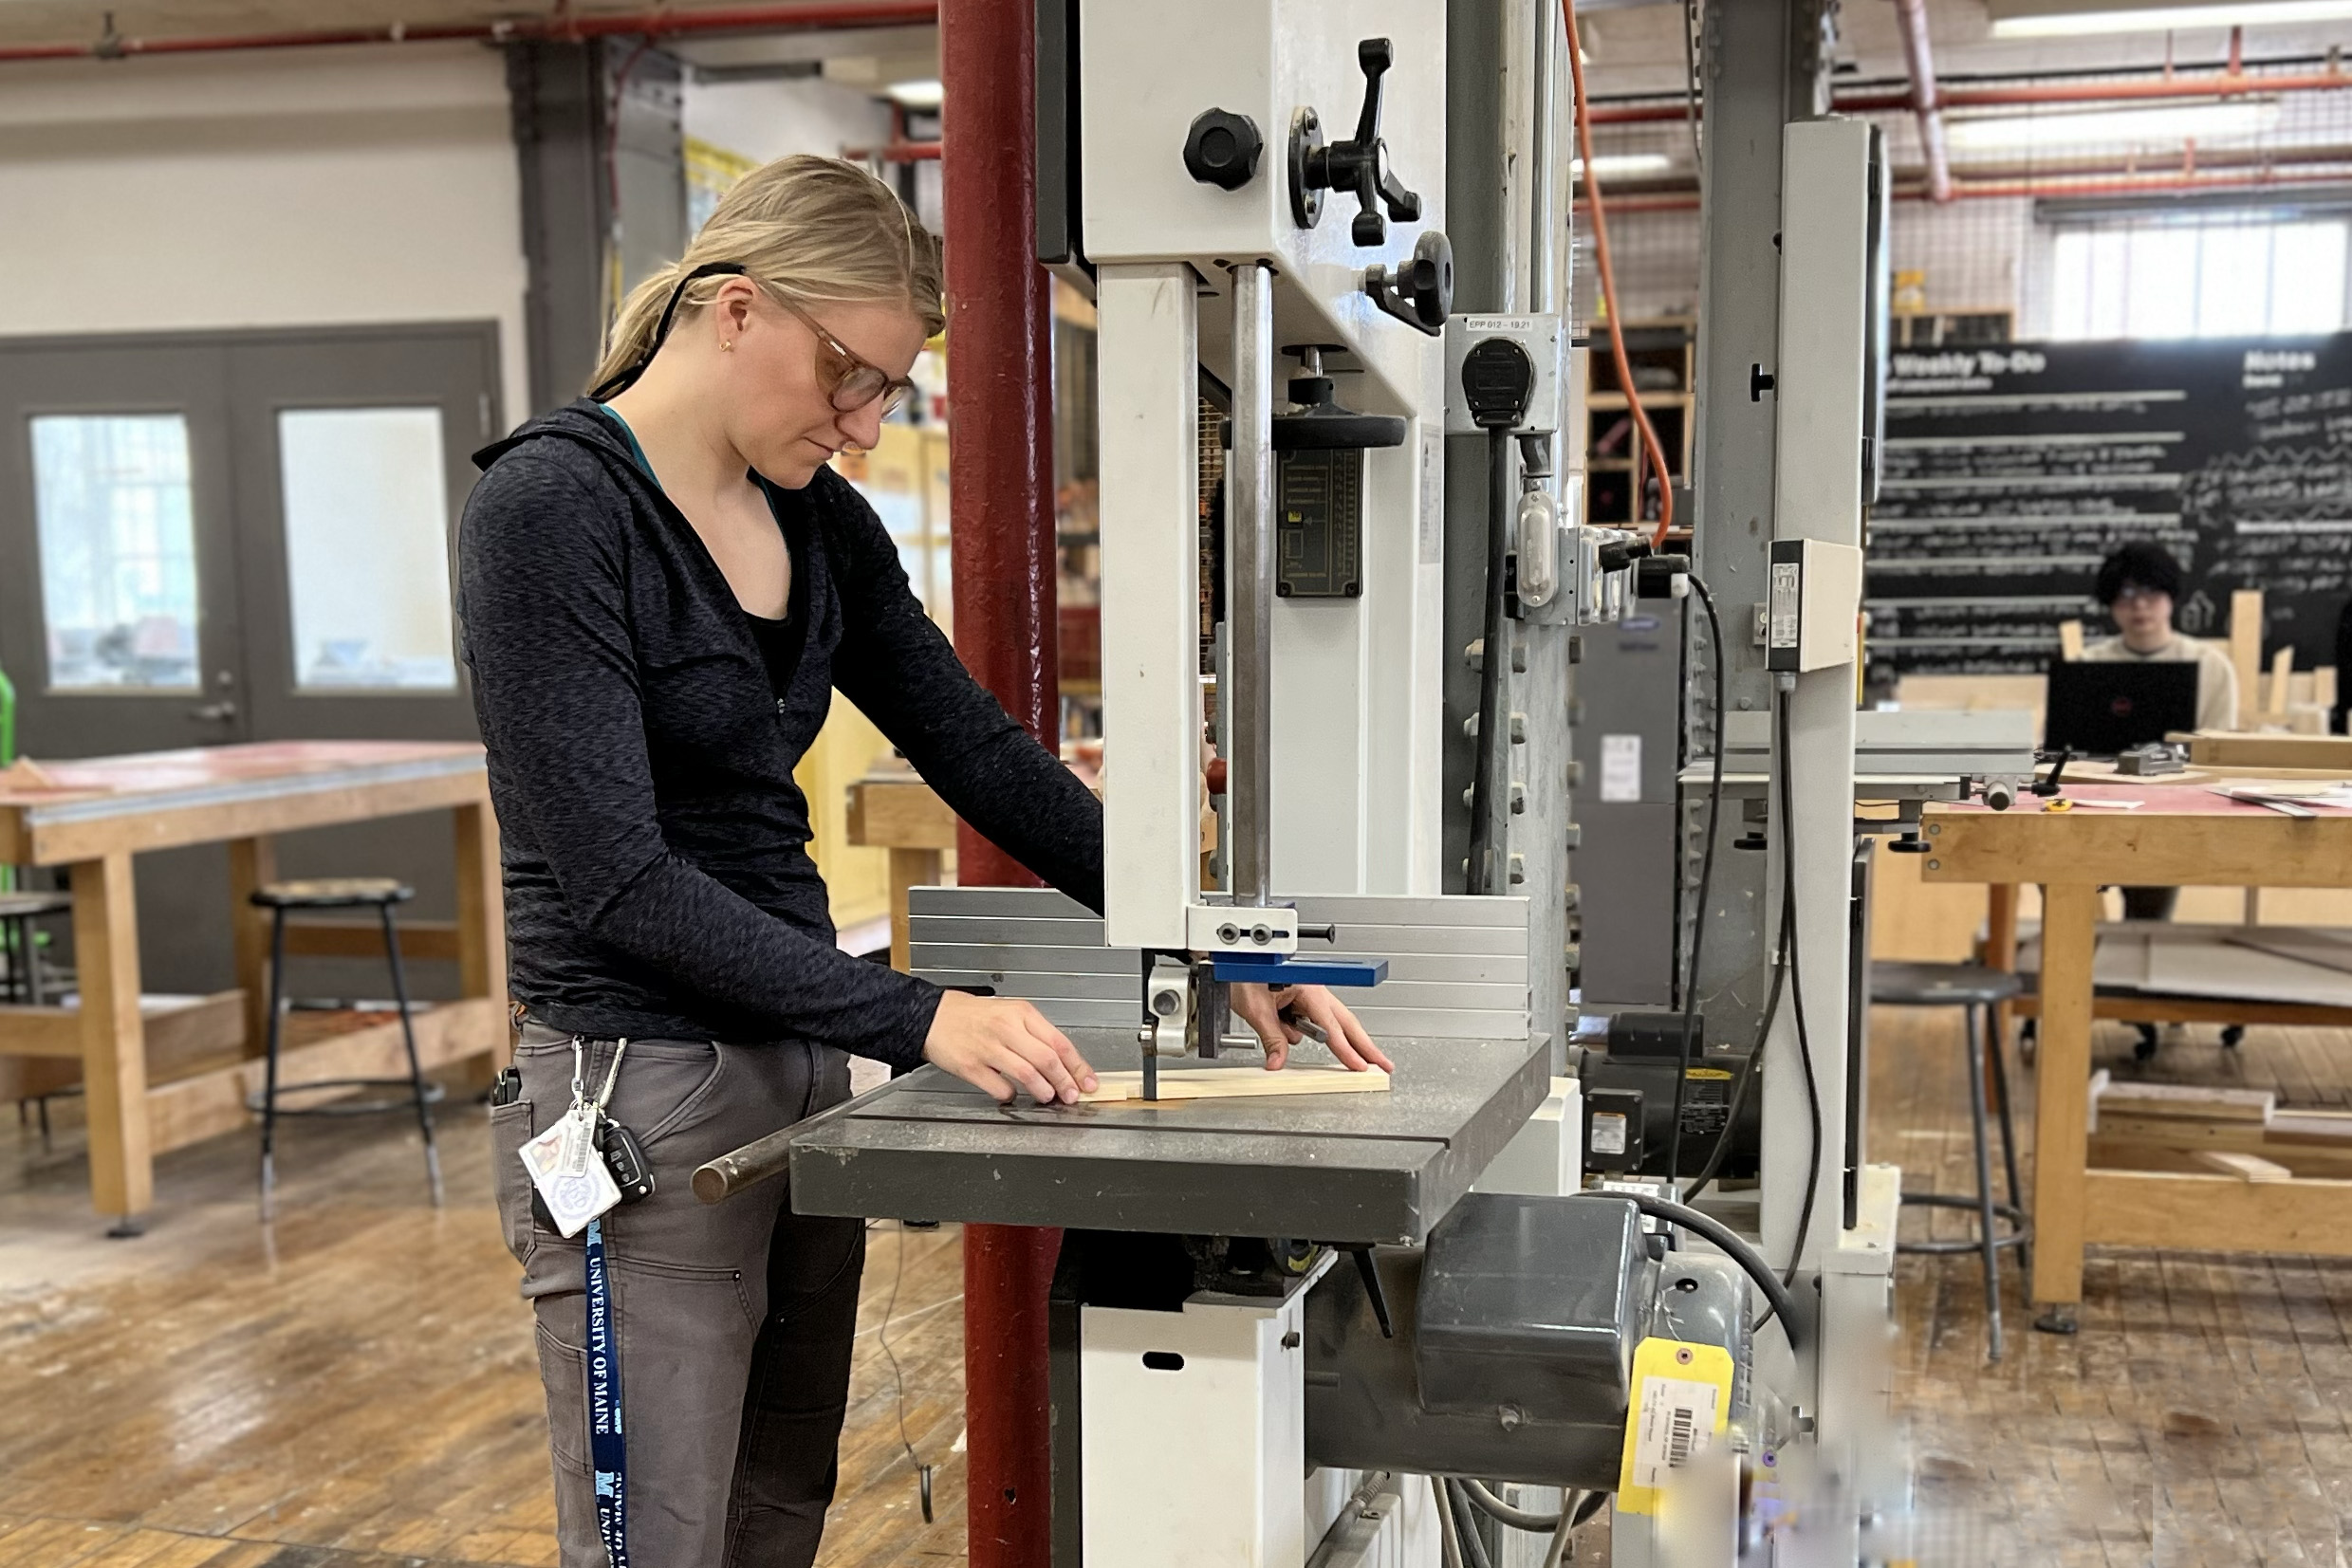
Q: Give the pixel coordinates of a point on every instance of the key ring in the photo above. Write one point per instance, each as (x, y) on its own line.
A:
(612, 1075)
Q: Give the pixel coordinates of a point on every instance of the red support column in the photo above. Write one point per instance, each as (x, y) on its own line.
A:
(1000, 411)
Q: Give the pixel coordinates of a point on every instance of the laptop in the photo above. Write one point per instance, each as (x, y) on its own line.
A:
(2094, 708)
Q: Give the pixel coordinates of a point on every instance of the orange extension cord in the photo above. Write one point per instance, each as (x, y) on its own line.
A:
(1608, 291)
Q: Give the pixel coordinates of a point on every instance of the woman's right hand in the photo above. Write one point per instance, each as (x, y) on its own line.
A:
(1004, 1046)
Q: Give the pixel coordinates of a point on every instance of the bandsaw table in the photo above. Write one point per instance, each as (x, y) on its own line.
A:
(1350, 1168)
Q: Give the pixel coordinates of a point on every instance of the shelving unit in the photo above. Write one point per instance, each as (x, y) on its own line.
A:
(1619, 487)
(1951, 328)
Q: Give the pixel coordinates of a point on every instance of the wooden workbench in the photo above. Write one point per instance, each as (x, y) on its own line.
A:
(92, 816)
(2175, 836)
(898, 812)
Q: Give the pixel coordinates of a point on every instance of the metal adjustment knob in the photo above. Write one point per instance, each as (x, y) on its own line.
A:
(1222, 149)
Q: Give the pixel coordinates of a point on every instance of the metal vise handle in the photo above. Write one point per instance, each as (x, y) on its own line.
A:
(748, 1166)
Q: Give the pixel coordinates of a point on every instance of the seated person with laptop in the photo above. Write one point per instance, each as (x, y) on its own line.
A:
(2137, 585)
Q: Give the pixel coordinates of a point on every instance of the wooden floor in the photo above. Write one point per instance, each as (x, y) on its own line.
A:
(354, 1387)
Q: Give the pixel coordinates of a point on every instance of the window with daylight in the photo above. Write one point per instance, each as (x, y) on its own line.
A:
(2242, 279)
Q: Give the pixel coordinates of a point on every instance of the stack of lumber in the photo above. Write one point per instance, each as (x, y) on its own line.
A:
(2195, 1128)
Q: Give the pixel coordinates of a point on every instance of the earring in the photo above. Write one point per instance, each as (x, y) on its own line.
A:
(728, 345)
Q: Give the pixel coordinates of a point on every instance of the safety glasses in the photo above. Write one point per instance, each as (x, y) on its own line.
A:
(850, 382)
(854, 383)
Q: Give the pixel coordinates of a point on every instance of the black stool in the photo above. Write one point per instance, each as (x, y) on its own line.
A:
(1976, 990)
(342, 892)
(18, 911)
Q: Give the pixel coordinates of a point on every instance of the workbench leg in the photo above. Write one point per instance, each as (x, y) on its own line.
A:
(114, 1040)
(2001, 945)
(482, 919)
(252, 863)
(2062, 1112)
(909, 869)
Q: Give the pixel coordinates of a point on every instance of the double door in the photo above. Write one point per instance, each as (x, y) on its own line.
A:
(221, 538)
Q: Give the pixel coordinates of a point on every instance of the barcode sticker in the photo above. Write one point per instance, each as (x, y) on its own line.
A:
(1681, 1409)
(1787, 600)
(1678, 1420)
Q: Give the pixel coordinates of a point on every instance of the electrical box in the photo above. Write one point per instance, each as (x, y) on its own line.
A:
(1813, 608)
(1541, 337)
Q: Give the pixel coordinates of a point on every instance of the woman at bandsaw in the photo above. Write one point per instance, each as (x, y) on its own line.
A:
(662, 586)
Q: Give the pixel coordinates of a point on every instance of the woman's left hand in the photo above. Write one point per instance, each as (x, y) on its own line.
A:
(1261, 1007)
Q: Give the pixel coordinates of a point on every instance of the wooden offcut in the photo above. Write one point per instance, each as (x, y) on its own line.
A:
(1239, 1083)
(2230, 1162)
(2246, 645)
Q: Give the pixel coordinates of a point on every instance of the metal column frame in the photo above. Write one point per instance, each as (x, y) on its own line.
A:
(1506, 204)
(1767, 62)
(1000, 380)
(1249, 607)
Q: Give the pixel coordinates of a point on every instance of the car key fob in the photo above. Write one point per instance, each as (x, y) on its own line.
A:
(625, 1158)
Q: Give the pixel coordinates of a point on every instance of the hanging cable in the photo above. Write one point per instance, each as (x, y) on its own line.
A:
(1706, 877)
(1609, 291)
(1725, 1240)
(922, 1471)
(1796, 986)
(1747, 1075)
(1503, 1513)
(1449, 1539)
(1689, 83)
(1466, 1527)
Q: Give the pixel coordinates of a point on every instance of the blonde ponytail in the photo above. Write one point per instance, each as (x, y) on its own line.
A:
(811, 229)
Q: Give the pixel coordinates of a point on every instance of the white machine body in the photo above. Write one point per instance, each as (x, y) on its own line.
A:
(1357, 706)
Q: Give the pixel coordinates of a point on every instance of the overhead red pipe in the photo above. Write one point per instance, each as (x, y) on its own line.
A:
(1912, 15)
(2119, 90)
(894, 152)
(655, 24)
(1000, 427)
(2205, 85)
(1964, 190)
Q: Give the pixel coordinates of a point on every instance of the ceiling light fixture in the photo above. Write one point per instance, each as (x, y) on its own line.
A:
(1622, 165)
(2166, 125)
(916, 95)
(2072, 18)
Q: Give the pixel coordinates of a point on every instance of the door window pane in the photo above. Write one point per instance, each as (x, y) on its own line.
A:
(116, 529)
(367, 503)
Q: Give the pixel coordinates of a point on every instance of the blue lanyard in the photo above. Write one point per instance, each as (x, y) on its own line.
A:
(608, 1453)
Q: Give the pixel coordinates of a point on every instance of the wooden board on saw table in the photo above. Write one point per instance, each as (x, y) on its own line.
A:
(1238, 1083)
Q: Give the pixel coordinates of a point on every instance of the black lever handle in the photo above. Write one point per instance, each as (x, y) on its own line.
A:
(1358, 165)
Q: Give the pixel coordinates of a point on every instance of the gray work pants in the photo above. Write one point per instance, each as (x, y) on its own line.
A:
(734, 1321)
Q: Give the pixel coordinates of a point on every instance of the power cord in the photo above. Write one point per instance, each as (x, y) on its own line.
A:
(1706, 879)
(1591, 177)
(1789, 938)
(922, 1471)
(1727, 1241)
(1746, 1073)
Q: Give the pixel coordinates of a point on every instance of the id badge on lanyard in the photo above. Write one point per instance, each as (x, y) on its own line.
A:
(608, 1453)
(569, 1167)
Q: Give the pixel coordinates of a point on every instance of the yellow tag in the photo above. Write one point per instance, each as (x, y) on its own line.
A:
(1681, 1404)
(1708, 1074)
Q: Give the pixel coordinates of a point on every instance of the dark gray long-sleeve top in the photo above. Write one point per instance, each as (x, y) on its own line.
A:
(658, 878)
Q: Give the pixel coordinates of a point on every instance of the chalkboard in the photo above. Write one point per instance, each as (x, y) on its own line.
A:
(2011, 469)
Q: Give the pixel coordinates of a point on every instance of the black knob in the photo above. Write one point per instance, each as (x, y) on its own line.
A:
(1420, 292)
(1222, 149)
